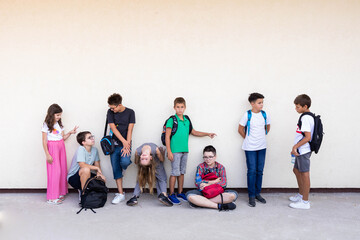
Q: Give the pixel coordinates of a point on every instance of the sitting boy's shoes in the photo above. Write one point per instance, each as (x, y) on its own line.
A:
(118, 198)
(132, 201)
(260, 199)
(182, 196)
(300, 205)
(226, 206)
(174, 199)
(296, 198)
(252, 202)
(165, 200)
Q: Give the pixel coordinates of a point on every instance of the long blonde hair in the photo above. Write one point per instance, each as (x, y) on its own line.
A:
(146, 175)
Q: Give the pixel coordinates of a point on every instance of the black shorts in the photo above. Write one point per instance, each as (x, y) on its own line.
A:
(75, 182)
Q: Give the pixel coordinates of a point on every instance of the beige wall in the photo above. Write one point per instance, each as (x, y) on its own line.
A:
(213, 53)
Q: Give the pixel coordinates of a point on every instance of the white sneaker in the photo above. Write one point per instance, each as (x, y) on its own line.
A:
(300, 205)
(118, 198)
(295, 198)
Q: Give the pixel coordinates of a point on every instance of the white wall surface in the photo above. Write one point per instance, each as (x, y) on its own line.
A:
(213, 53)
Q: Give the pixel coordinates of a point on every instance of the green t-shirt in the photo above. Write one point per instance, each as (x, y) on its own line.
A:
(180, 141)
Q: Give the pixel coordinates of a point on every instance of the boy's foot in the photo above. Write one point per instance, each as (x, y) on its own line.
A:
(226, 206)
(297, 197)
(132, 201)
(260, 199)
(174, 199)
(165, 200)
(118, 198)
(300, 205)
(182, 196)
(252, 202)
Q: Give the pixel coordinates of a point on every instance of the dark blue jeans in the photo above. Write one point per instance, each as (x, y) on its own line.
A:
(255, 161)
(119, 163)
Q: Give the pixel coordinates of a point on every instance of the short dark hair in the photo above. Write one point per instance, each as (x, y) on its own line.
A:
(303, 100)
(179, 100)
(115, 99)
(210, 148)
(81, 137)
(255, 96)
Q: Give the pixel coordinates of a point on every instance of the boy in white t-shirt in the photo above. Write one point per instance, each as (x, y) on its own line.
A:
(302, 152)
(253, 127)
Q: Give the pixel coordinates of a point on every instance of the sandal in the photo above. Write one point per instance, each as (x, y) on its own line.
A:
(54, 201)
(62, 197)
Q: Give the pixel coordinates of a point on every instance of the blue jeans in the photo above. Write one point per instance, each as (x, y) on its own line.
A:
(119, 163)
(255, 161)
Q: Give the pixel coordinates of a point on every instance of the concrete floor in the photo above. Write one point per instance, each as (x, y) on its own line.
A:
(28, 216)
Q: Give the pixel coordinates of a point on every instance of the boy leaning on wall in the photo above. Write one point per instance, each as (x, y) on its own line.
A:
(178, 148)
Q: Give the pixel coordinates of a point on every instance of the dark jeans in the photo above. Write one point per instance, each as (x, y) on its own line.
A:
(119, 163)
(255, 161)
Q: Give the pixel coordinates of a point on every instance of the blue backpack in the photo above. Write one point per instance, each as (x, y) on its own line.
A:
(247, 127)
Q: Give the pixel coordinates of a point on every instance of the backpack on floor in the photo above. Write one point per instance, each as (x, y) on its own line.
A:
(94, 194)
(318, 133)
(247, 127)
(174, 128)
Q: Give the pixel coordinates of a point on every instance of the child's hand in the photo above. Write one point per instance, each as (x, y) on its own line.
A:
(127, 145)
(162, 151)
(125, 152)
(49, 159)
(170, 156)
(74, 130)
(212, 135)
(203, 185)
(294, 151)
(218, 180)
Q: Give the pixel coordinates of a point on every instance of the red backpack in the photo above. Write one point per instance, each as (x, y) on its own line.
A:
(212, 190)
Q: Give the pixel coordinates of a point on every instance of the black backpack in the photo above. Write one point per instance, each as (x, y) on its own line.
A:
(174, 128)
(94, 194)
(318, 133)
(107, 142)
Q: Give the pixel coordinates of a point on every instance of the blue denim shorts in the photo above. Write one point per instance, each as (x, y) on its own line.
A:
(119, 163)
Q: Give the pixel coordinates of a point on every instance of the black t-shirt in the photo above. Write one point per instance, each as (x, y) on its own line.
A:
(121, 121)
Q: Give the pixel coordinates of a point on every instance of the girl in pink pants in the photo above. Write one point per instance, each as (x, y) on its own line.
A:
(53, 143)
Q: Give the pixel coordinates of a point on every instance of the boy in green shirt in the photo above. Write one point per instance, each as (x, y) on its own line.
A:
(178, 149)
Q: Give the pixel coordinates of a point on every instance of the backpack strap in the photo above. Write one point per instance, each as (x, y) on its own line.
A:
(248, 121)
(106, 124)
(191, 127)
(299, 121)
(264, 115)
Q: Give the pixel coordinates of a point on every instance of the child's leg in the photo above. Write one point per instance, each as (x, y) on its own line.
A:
(305, 181)
(260, 163)
(63, 170)
(175, 172)
(183, 162)
(84, 174)
(53, 172)
(172, 180)
(298, 179)
(161, 180)
(251, 172)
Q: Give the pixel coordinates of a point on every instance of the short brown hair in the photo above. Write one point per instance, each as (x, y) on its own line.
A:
(115, 99)
(179, 100)
(81, 137)
(303, 100)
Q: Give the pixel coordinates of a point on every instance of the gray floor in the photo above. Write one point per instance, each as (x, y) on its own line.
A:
(332, 216)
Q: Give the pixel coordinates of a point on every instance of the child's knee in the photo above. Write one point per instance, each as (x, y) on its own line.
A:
(84, 171)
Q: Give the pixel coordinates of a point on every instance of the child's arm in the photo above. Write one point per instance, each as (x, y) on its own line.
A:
(160, 152)
(66, 136)
(118, 135)
(268, 128)
(49, 158)
(306, 139)
(127, 150)
(241, 131)
(202, 134)
(167, 142)
(99, 173)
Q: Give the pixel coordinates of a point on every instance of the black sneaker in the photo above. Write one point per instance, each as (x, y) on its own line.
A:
(252, 202)
(132, 201)
(165, 200)
(260, 199)
(226, 206)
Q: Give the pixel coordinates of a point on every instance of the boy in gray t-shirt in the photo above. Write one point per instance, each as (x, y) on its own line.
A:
(85, 162)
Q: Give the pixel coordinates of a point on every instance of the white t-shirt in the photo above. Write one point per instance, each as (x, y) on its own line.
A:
(55, 135)
(307, 125)
(256, 140)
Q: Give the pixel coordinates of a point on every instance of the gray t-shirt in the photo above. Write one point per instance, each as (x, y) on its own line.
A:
(82, 155)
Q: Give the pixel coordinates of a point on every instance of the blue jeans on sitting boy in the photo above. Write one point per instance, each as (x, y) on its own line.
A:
(119, 163)
(255, 161)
